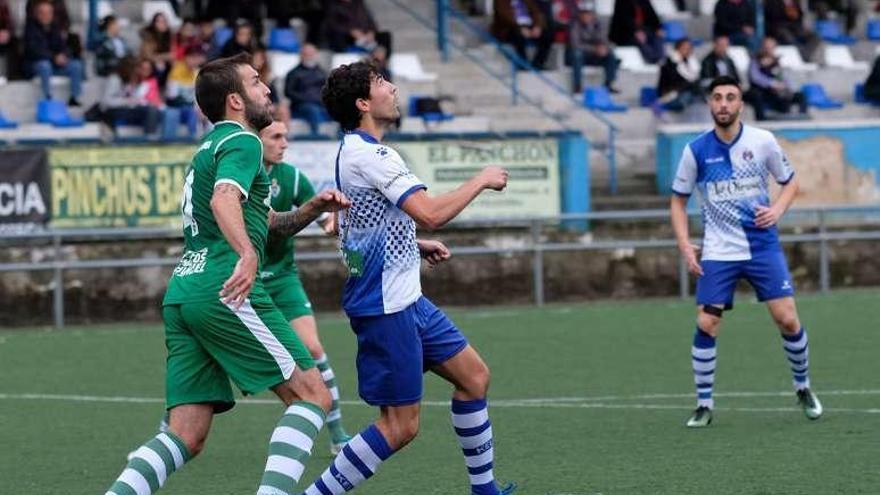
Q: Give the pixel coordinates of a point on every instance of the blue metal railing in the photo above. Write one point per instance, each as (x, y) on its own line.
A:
(445, 12)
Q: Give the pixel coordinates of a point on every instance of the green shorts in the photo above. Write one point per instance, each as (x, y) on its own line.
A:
(288, 293)
(209, 343)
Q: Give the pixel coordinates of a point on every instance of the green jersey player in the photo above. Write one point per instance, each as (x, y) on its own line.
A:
(220, 323)
(290, 189)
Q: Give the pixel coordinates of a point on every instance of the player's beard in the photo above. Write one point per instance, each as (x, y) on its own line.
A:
(259, 117)
(733, 117)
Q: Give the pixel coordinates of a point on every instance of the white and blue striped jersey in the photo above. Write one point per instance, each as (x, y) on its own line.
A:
(732, 181)
(377, 238)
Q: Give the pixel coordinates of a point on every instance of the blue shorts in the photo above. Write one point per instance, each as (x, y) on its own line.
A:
(395, 350)
(767, 272)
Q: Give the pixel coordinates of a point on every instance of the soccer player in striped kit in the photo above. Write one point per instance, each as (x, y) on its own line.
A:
(729, 166)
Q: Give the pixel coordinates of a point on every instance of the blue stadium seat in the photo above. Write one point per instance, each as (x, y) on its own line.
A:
(55, 112)
(647, 96)
(598, 98)
(859, 96)
(830, 31)
(222, 35)
(675, 30)
(872, 30)
(817, 98)
(7, 124)
(284, 40)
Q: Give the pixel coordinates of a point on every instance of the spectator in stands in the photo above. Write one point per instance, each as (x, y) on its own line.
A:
(242, 40)
(156, 44)
(260, 61)
(303, 88)
(784, 21)
(207, 34)
(827, 9)
(126, 100)
(771, 90)
(588, 43)
(8, 42)
(735, 19)
(180, 94)
(679, 84)
(46, 53)
(350, 24)
(520, 22)
(310, 11)
(635, 23)
(111, 47)
(717, 63)
(62, 22)
(872, 84)
(186, 37)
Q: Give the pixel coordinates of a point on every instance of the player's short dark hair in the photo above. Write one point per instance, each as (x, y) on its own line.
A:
(217, 80)
(347, 84)
(724, 81)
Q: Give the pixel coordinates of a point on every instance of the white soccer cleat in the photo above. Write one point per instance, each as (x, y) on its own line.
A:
(810, 403)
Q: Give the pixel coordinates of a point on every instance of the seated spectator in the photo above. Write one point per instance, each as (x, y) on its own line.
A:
(186, 37)
(872, 84)
(242, 40)
(769, 86)
(736, 20)
(8, 42)
(635, 23)
(111, 47)
(679, 83)
(209, 42)
(127, 100)
(62, 22)
(784, 21)
(717, 63)
(589, 47)
(156, 44)
(303, 88)
(180, 94)
(520, 22)
(46, 53)
(827, 9)
(350, 24)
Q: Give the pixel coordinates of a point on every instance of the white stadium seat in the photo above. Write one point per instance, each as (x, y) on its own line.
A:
(707, 7)
(790, 58)
(631, 60)
(740, 57)
(345, 59)
(605, 8)
(153, 7)
(407, 66)
(840, 56)
(282, 63)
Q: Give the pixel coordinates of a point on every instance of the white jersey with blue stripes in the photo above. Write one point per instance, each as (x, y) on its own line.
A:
(732, 181)
(378, 239)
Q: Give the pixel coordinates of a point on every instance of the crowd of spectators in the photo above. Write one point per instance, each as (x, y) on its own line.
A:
(150, 79)
(536, 24)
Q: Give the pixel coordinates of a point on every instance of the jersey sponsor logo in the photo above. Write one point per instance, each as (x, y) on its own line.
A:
(715, 159)
(264, 275)
(734, 189)
(274, 189)
(400, 175)
(191, 262)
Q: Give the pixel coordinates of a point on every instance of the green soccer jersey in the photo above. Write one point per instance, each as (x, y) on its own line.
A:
(232, 155)
(289, 189)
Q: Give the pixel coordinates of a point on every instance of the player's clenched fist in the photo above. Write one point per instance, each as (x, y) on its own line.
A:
(495, 178)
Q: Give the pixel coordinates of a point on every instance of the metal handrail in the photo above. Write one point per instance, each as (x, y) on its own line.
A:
(517, 62)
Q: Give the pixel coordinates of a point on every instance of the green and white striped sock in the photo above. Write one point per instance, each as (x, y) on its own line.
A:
(334, 417)
(150, 465)
(290, 448)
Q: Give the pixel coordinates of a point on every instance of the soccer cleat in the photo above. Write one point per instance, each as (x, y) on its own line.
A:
(701, 417)
(336, 444)
(510, 488)
(808, 400)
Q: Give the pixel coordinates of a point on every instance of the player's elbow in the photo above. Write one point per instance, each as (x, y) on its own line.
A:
(430, 223)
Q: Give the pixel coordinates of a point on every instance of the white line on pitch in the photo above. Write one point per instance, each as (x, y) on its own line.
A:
(509, 403)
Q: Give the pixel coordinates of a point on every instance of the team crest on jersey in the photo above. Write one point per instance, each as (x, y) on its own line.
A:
(274, 189)
(748, 156)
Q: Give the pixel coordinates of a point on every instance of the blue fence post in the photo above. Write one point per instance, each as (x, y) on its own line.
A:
(92, 30)
(759, 24)
(574, 177)
(443, 29)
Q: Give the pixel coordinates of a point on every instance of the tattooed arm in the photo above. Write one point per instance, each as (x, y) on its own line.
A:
(226, 206)
(288, 223)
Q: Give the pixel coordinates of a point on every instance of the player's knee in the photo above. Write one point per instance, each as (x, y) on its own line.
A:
(195, 442)
(788, 323)
(310, 387)
(480, 381)
(404, 431)
(709, 323)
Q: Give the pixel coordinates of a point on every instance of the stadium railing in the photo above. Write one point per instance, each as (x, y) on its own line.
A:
(445, 12)
(804, 218)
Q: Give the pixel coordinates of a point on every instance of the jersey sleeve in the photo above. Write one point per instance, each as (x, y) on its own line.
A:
(239, 159)
(390, 175)
(778, 163)
(303, 190)
(686, 177)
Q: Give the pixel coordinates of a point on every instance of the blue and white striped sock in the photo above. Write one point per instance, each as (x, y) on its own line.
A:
(797, 351)
(703, 362)
(474, 430)
(359, 460)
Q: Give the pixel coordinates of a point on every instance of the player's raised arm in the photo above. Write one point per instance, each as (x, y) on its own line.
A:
(433, 212)
(288, 223)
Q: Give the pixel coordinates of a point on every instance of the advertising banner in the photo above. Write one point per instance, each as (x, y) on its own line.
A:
(24, 190)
